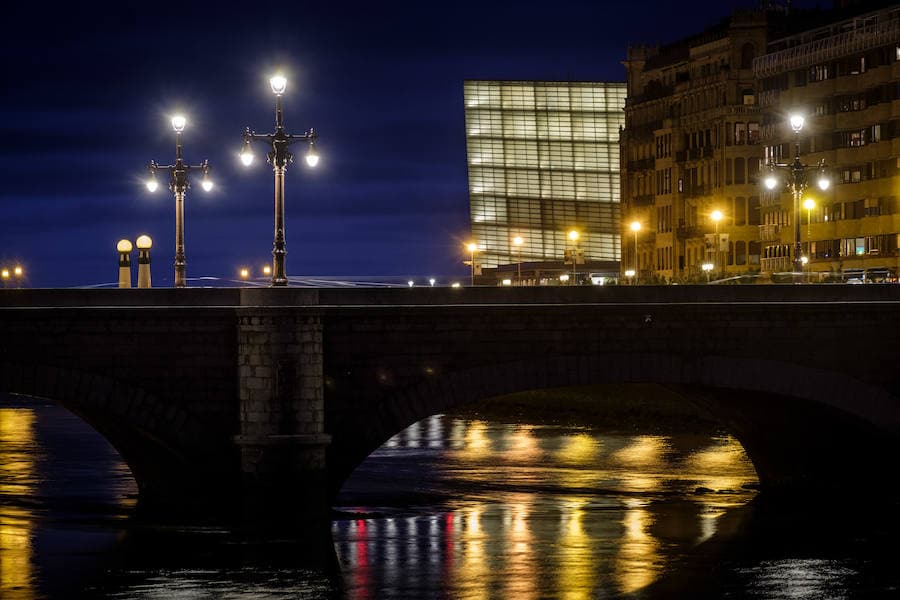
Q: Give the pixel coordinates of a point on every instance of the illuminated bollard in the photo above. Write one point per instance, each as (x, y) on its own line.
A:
(124, 249)
(144, 243)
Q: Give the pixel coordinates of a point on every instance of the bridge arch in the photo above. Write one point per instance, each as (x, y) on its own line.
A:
(156, 439)
(786, 416)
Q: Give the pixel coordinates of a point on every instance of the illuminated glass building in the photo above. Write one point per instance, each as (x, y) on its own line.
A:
(543, 159)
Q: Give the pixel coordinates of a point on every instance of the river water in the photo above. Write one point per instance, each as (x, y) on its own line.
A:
(453, 507)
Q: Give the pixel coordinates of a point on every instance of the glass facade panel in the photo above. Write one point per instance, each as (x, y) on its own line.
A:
(543, 158)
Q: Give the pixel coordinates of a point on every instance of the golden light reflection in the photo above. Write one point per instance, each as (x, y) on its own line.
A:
(522, 445)
(577, 566)
(644, 451)
(645, 456)
(638, 560)
(16, 477)
(580, 448)
(474, 569)
(476, 444)
(723, 466)
(522, 577)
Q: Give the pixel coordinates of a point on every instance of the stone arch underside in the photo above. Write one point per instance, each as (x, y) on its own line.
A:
(802, 427)
(173, 457)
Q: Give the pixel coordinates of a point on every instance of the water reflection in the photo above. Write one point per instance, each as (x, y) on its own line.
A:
(532, 511)
(16, 480)
(639, 560)
(455, 507)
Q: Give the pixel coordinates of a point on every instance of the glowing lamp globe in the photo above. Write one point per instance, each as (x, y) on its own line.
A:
(124, 246)
(178, 123)
(278, 83)
(143, 242)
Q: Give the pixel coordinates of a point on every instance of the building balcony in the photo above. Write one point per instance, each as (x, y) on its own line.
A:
(828, 49)
(780, 264)
(643, 200)
(645, 164)
(688, 232)
(769, 233)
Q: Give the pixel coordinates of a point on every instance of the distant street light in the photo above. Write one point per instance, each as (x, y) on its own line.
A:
(4, 276)
(179, 184)
(267, 270)
(279, 157)
(707, 267)
(432, 281)
(472, 247)
(573, 237)
(716, 216)
(636, 227)
(244, 273)
(517, 243)
(797, 184)
(123, 247)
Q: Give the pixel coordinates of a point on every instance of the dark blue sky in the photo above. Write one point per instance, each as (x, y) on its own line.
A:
(88, 90)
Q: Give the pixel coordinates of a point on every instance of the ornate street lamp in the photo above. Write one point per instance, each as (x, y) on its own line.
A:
(179, 184)
(279, 157)
(797, 184)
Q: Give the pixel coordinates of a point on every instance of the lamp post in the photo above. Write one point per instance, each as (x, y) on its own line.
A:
(797, 184)
(809, 204)
(517, 242)
(573, 237)
(279, 157)
(179, 184)
(4, 276)
(472, 248)
(636, 227)
(716, 216)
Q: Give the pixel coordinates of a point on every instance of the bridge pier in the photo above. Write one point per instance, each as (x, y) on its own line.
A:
(282, 436)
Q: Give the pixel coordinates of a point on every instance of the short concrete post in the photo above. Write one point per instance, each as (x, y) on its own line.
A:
(124, 249)
(143, 243)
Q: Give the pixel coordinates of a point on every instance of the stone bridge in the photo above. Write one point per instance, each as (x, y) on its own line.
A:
(267, 399)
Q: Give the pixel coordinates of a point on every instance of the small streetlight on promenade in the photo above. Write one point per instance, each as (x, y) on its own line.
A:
(472, 247)
(179, 185)
(517, 244)
(716, 216)
(636, 227)
(279, 157)
(573, 237)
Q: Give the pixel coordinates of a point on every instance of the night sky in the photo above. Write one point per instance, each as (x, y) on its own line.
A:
(88, 90)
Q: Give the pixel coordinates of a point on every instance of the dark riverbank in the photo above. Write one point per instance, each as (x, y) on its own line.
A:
(632, 408)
